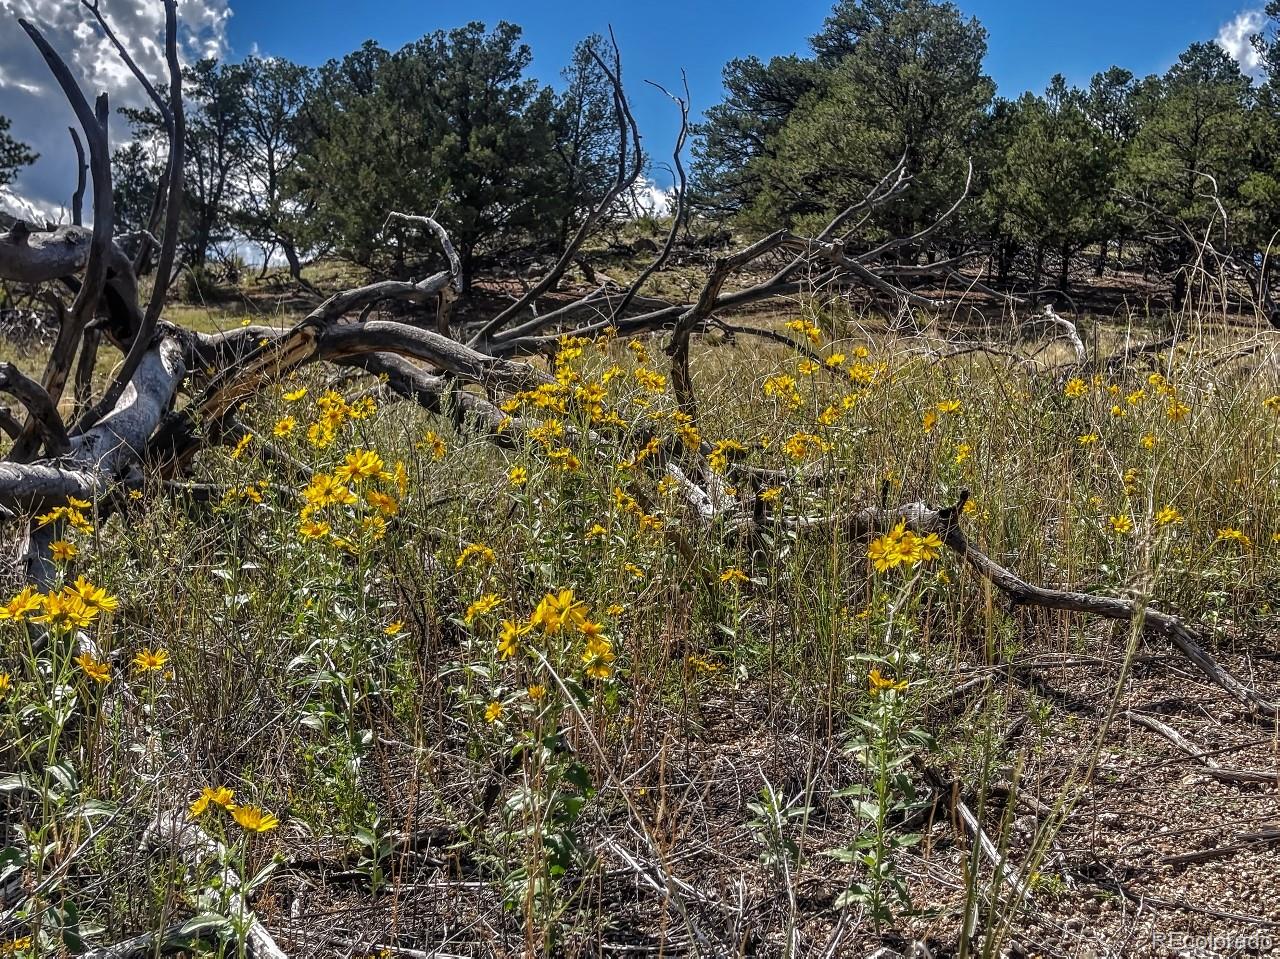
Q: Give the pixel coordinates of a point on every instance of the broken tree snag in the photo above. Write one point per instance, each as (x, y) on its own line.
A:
(321, 337)
(139, 337)
(205, 858)
(702, 310)
(94, 122)
(107, 454)
(448, 293)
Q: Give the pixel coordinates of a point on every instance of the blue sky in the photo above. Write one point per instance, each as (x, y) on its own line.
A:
(1029, 40)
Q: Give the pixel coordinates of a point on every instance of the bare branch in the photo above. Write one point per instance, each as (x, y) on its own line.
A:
(93, 122)
(175, 121)
(82, 179)
(630, 161)
(43, 413)
(681, 199)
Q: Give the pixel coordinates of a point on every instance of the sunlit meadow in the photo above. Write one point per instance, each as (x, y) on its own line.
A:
(505, 691)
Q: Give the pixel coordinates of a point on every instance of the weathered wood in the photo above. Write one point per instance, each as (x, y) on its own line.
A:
(176, 833)
(1212, 767)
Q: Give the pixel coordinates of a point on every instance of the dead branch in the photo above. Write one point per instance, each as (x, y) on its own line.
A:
(681, 199)
(94, 124)
(945, 523)
(139, 338)
(82, 179)
(630, 164)
(1212, 767)
(41, 409)
(969, 824)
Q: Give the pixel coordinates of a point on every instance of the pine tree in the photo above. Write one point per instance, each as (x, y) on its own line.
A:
(1050, 186)
(13, 154)
(447, 124)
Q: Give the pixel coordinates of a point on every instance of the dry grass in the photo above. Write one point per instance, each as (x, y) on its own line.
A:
(729, 782)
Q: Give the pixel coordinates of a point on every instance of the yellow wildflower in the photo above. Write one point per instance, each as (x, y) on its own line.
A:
(217, 796)
(62, 551)
(26, 602)
(509, 638)
(482, 606)
(436, 444)
(314, 529)
(94, 597)
(63, 611)
(481, 554)
(1231, 535)
(802, 446)
(361, 465)
(253, 819)
(555, 611)
(150, 661)
(384, 503)
(99, 672)
(878, 683)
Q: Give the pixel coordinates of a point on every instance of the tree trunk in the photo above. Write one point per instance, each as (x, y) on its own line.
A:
(1179, 289)
(1100, 267)
(295, 264)
(1037, 272)
(466, 254)
(1006, 261)
(1064, 274)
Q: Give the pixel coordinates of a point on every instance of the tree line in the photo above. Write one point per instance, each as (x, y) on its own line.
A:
(308, 161)
(1162, 160)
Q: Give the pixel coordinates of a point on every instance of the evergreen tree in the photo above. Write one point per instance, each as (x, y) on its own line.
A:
(1190, 158)
(893, 79)
(737, 136)
(13, 154)
(214, 95)
(268, 210)
(586, 139)
(135, 177)
(1050, 186)
(447, 123)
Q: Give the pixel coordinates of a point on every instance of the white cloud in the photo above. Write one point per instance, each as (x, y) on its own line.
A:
(1236, 37)
(649, 199)
(24, 209)
(31, 99)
